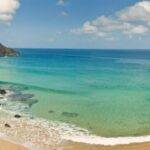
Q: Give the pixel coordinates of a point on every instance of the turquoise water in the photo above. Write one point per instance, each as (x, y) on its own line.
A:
(104, 91)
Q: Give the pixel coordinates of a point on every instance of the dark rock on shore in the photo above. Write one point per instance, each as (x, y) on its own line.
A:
(7, 125)
(5, 51)
(2, 92)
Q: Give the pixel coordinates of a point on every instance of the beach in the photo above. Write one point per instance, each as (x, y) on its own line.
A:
(7, 145)
(29, 133)
(25, 133)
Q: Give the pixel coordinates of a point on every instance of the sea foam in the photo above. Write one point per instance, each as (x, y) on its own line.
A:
(108, 141)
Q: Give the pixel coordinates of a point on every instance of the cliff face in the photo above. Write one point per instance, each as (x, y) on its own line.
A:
(5, 51)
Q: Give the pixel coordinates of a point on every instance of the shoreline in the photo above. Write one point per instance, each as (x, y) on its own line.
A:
(82, 146)
(68, 145)
(25, 133)
(7, 144)
(65, 145)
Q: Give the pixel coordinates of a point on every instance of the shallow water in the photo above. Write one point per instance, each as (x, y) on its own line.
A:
(106, 92)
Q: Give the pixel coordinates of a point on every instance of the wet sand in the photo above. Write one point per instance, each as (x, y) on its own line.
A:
(7, 145)
(81, 146)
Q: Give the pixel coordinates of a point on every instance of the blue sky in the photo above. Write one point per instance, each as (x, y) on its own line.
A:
(75, 23)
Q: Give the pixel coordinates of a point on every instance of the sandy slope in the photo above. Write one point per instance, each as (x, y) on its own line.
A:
(80, 146)
(6, 145)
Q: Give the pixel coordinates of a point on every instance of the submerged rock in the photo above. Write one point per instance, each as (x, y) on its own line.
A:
(17, 116)
(5, 51)
(21, 97)
(68, 114)
(32, 102)
(2, 104)
(31, 117)
(89, 126)
(18, 88)
(50, 111)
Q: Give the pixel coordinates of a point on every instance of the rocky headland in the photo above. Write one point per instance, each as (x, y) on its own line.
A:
(5, 51)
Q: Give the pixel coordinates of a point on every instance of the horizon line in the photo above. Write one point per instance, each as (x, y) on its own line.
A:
(50, 48)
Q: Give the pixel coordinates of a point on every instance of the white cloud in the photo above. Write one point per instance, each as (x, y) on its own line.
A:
(8, 9)
(89, 28)
(64, 13)
(131, 21)
(139, 29)
(138, 12)
(61, 2)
